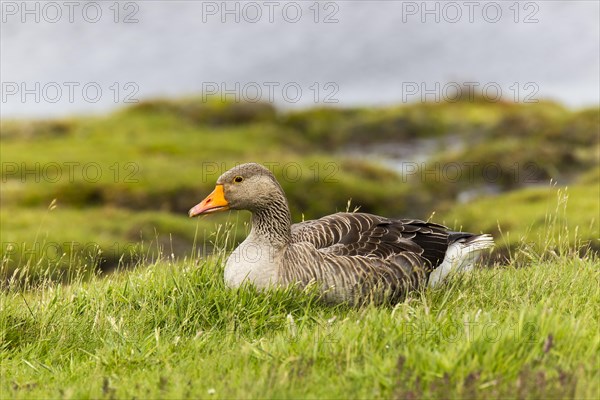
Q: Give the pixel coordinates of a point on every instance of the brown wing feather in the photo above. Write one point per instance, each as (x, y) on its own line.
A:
(361, 234)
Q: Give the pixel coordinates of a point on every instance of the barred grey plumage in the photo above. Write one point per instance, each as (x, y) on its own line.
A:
(352, 257)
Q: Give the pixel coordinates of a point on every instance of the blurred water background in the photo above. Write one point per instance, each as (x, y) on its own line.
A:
(369, 50)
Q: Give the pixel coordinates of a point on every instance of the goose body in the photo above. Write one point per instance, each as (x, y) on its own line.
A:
(352, 257)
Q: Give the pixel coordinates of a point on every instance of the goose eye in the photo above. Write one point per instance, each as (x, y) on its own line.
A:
(238, 179)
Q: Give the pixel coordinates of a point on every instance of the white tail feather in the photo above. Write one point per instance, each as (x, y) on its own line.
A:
(460, 257)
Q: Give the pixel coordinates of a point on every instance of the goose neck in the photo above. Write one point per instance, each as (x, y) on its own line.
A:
(273, 222)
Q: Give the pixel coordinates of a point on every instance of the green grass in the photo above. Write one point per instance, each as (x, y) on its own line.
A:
(172, 330)
(539, 217)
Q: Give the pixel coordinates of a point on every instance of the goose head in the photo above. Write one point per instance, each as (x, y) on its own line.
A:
(248, 186)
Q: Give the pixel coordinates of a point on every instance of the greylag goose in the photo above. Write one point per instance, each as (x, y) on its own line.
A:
(352, 257)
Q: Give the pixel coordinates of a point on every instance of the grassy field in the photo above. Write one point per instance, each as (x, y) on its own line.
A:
(171, 329)
(108, 290)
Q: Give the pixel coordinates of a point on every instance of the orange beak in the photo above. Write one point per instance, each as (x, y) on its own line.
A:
(214, 202)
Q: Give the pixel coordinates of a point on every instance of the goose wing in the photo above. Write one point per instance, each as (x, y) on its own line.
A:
(354, 278)
(361, 234)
